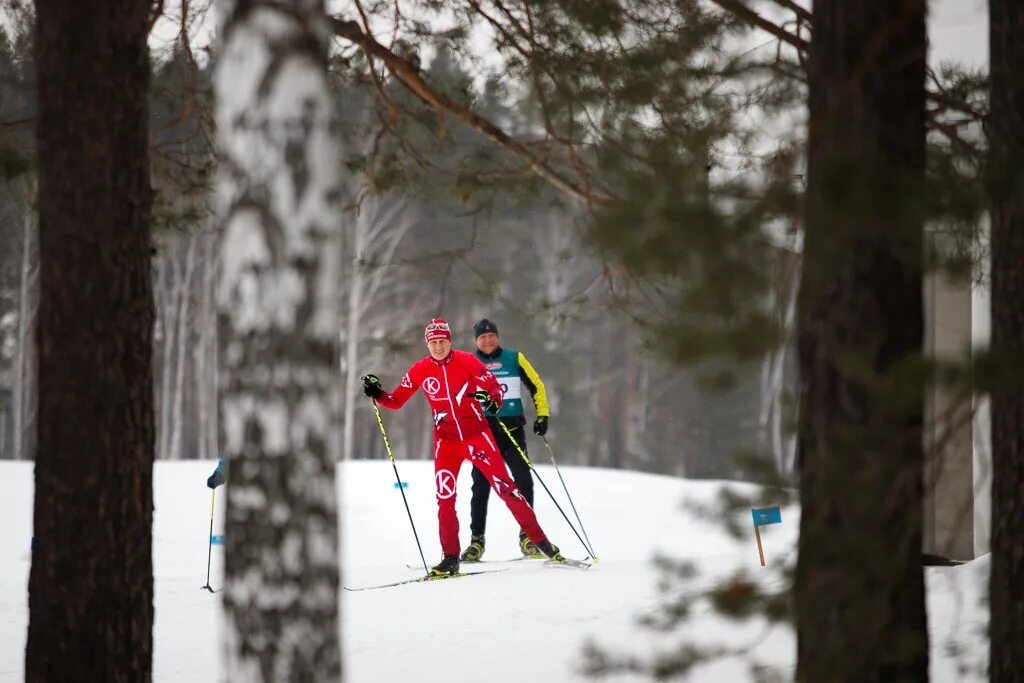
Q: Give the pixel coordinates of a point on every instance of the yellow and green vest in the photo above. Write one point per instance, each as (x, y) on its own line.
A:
(513, 373)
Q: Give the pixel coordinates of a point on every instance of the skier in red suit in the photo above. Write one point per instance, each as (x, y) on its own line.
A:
(459, 390)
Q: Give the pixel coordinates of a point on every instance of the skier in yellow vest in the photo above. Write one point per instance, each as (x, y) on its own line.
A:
(514, 373)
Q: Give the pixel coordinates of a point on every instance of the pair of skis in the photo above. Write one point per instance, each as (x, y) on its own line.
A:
(425, 579)
(563, 564)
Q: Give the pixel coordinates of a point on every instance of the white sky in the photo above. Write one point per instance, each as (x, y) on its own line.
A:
(958, 29)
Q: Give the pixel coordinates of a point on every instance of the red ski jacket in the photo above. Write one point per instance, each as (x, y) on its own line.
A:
(449, 386)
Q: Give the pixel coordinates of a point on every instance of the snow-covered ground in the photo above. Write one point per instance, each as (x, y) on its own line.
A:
(523, 622)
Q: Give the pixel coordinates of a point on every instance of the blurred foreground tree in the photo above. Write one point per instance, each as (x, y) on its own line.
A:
(279, 200)
(91, 582)
(1006, 188)
(859, 591)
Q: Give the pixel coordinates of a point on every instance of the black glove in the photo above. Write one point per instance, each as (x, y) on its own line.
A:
(371, 386)
(540, 425)
(490, 406)
(216, 479)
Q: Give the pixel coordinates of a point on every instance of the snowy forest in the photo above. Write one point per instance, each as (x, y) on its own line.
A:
(422, 242)
(715, 228)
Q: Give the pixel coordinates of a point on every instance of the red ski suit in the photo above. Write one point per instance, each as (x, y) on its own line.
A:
(460, 432)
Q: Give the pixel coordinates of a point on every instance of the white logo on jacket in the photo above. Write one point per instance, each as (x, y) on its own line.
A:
(445, 484)
(431, 385)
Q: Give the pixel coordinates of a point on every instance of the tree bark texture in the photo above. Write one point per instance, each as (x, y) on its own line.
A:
(91, 581)
(859, 593)
(1006, 144)
(181, 331)
(26, 366)
(278, 197)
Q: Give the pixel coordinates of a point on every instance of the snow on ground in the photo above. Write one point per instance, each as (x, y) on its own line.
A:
(524, 621)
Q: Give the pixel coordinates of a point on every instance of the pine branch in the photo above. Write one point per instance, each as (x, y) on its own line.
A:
(753, 18)
(410, 77)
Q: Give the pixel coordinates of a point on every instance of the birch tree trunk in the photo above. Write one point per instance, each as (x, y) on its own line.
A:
(379, 228)
(26, 398)
(205, 370)
(166, 296)
(181, 343)
(279, 200)
(772, 436)
(90, 589)
(352, 335)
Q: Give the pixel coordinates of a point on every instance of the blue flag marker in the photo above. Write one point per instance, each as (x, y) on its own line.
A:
(404, 484)
(763, 517)
(217, 540)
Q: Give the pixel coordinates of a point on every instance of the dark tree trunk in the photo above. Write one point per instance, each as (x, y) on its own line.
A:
(91, 583)
(859, 592)
(1006, 142)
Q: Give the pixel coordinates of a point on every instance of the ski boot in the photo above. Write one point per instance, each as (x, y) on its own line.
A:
(529, 550)
(475, 550)
(555, 558)
(449, 566)
(550, 550)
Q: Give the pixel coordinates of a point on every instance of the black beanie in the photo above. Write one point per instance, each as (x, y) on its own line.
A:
(483, 327)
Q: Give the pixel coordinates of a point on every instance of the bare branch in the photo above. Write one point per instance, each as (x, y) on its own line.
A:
(801, 13)
(411, 79)
(753, 18)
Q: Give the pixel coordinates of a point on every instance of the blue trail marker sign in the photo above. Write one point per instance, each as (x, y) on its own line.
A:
(763, 517)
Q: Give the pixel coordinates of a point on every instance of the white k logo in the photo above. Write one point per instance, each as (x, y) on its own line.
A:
(445, 484)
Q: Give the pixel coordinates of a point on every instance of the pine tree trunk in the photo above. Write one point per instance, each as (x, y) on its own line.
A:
(1006, 144)
(279, 199)
(91, 582)
(859, 593)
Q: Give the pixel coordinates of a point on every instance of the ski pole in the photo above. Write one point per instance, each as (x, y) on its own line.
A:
(566, 489)
(387, 446)
(530, 465)
(209, 541)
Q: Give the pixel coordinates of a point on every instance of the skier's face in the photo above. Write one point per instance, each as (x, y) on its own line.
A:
(439, 348)
(487, 342)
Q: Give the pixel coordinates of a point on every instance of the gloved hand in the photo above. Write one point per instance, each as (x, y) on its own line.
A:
(216, 479)
(490, 406)
(371, 386)
(540, 425)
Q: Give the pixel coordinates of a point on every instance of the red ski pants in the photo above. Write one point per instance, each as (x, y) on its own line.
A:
(484, 455)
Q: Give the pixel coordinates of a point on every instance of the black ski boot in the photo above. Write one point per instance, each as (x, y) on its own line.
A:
(550, 550)
(529, 550)
(475, 550)
(558, 559)
(449, 566)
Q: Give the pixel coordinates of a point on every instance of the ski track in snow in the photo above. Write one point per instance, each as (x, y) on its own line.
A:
(530, 620)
